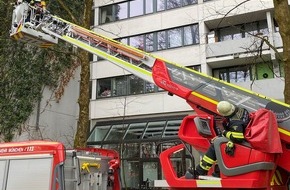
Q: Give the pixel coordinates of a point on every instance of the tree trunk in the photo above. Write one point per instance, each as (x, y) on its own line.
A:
(80, 140)
(84, 98)
(282, 16)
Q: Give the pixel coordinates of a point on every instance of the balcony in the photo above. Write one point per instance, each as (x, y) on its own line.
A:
(238, 51)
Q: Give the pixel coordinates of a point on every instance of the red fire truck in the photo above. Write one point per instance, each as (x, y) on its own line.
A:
(46, 165)
(250, 167)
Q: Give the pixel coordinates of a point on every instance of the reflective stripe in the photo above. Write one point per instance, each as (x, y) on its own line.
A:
(228, 135)
(209, 183)
(18, 36)
(204, 167)
(46, 45)
(276, 179)
(208, 160)
(238, 135)
(204, 97)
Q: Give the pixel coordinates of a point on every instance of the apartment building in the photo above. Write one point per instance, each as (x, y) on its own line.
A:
(215, 37)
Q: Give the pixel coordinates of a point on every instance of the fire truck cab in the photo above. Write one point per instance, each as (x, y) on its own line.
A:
(45, 165)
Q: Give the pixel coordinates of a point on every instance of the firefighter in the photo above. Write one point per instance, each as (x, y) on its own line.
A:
(39, 7)
(236, 120)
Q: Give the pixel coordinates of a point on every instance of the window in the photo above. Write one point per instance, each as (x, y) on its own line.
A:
(136, 85)
(230, 33)
(189, 2)
(243, 30)
(119, 86)
(124, 41)
(132, 178)
(116, 133)
(174, 38)
(171, 4)
(171, 38)
(161, 4)
(135, 131)
(263, 27)
(254, 28)
(244, 73)
(251, 29)
(121, 11)
(172, 128)
(106, 14)
(154, 129)
(195, 67)
(99, 133)
(123, 85)
(104, 88)
(150, 87)
(131, 150)
(234, 74)
(137, 42)
(161, 40)
(148, 6)
(136, 8)
(191, 35)
(129, 9)
(149, 42)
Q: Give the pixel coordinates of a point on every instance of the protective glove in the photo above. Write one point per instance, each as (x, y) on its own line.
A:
(230, 148)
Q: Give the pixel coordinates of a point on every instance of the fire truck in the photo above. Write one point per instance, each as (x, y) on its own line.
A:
(46, 165)
(250, 167)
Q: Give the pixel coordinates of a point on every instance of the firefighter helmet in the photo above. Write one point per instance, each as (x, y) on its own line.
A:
(225, 108)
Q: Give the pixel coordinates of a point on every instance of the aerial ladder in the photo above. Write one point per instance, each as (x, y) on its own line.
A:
(251, 169)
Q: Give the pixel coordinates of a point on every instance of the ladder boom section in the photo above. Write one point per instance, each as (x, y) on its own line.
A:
(203, 93)
(133, 60)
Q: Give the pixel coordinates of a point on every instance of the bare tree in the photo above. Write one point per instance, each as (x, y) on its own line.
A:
(83, 19)
(282, 16)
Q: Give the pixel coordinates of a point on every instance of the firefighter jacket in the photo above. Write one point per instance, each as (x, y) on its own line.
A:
(235, 125)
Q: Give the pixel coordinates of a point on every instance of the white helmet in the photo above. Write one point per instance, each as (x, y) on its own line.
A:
(225, 108)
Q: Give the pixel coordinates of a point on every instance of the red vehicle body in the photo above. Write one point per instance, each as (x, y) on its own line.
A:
(45, 165)
(248, 168)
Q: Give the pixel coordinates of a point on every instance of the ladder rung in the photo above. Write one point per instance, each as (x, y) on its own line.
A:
(114, 44)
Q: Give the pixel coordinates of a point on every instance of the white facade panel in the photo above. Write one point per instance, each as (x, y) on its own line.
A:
(272, 88)
(219, 8)
(232, 47)
(137, 105)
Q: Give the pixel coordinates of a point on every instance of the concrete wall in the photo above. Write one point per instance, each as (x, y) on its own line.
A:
(56, 121)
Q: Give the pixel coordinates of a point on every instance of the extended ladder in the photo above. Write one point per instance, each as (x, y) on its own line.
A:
(134, 61)
(202, 92)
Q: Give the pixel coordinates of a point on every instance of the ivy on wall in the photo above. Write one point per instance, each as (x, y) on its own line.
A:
(24, 71)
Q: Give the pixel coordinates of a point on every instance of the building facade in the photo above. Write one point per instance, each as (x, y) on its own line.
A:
(215, 37)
